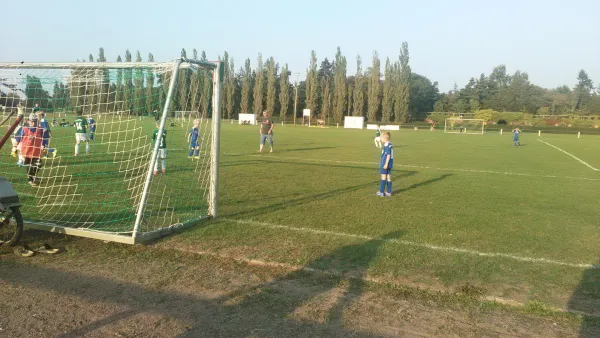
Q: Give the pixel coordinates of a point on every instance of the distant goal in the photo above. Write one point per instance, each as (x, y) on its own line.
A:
(464, 126)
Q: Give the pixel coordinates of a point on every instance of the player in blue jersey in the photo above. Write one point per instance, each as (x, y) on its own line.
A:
(193, 137)
(47, 134)
(92, 124)
(385, 166)
(516, 133)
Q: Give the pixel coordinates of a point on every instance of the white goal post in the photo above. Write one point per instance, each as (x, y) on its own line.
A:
(464, 126)
(133, 177)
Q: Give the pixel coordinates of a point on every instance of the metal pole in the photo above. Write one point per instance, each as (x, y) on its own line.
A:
(214, 151)
(161, 128)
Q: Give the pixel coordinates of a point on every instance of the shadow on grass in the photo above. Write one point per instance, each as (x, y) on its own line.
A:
(586, 299)
(420, 184)
(274, 160)
(307, 199)
(268, 309)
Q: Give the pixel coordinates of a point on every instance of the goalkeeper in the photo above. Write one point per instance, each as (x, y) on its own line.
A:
(47, 134)
(193, 140)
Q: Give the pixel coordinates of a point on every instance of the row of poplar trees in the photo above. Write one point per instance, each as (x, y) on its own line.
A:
(328, 91)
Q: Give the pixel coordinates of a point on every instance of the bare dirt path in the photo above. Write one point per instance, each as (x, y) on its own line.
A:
(106, 290)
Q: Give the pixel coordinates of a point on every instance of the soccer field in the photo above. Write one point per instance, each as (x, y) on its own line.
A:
(469, 212)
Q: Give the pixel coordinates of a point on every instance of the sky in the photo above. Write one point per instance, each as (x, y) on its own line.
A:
(449, 41)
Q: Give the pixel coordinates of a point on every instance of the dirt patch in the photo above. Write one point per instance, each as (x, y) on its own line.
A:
(99, 290)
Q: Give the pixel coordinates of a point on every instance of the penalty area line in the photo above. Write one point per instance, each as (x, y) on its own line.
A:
(415, 244)
(573, 156)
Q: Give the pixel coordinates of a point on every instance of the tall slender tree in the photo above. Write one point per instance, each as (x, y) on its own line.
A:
(119, 97)
(326, 98)
(150, 92)
(207, 89)
(374, 100)
(231, 90)
(246, 102)
(226, 84)
(284, 91)
(128, 85)
(339, 101)
(403, 90)
(359, 89)
(258, 87)
(312, 85)
(138, 96)
(104, 87)
(387, 110)
(271, 85)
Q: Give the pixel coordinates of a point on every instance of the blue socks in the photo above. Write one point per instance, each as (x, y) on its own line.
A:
(191, 152)
(389, 187)
(382, 186)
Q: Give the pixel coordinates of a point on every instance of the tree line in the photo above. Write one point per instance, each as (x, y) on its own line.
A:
(329, 89)
(502, 92)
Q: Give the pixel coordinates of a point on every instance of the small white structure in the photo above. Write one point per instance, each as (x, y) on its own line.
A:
(354, 122)
(247, 119)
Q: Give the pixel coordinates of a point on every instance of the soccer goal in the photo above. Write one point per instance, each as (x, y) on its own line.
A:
(133, 175)
(463, 126)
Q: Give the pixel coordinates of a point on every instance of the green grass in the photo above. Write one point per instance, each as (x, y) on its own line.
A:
(471, 192)
(313, 203)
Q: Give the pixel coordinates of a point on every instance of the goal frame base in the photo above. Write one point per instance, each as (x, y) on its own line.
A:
(111, 236)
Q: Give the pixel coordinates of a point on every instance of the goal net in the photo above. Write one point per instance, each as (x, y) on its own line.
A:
(463, 126)
(113, 163)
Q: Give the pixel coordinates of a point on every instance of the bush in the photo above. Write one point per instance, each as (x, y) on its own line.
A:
(502, 122)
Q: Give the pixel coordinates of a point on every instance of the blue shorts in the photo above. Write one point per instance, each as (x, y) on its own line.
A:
(387, 171)
(194, 144)
(266, 137)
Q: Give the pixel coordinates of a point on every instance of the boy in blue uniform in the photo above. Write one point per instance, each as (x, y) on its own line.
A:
(385, 166)
(92, 124)
(516, 133)
(43, 123)
(193, 140)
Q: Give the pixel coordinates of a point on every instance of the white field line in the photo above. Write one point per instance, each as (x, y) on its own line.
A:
(421, 167)
(573, 156)
(420, 245)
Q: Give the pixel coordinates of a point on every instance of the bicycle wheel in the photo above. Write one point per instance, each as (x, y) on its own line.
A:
(11, 226)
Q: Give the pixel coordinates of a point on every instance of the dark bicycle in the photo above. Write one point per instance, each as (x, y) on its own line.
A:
(11, 220)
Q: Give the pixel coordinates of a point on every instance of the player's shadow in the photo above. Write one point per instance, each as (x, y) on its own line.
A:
(420, 184)
(309, 199)
(326, 287)
(586, 300)
(329, 285)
